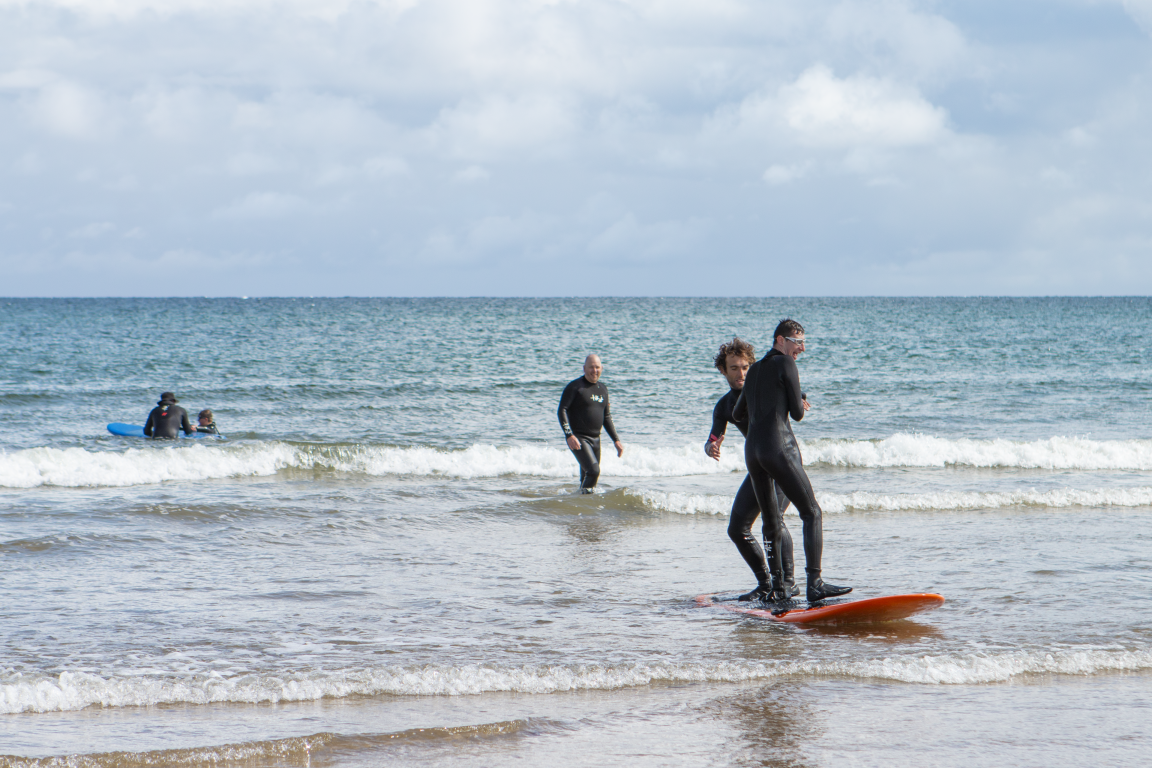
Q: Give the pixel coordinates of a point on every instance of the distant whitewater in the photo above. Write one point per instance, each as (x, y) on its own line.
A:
(78, 467)
(865, 501)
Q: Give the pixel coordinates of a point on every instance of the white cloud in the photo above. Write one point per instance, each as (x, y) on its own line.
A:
(262, 205)
(1141, 11)
(93, 230)
(777, 175)
(471, 174)
(71, 110)
(541, 130)
(628, 239)
(858, 110)
(495, 125)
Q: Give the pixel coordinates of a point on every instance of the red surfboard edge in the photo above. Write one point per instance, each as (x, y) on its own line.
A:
(868, 610)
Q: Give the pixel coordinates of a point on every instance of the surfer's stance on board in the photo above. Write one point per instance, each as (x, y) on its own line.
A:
(583, 411)
(167, 419)
(770, 396)
(733, 361)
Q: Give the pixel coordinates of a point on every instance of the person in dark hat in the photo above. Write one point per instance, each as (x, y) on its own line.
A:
(167, 419)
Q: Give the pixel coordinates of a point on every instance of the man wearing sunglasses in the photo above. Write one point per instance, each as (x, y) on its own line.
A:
(770, 396)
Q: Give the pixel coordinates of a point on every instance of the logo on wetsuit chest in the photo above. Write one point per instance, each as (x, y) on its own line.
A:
(597, 398)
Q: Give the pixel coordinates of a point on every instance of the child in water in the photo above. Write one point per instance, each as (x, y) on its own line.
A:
(207, 423)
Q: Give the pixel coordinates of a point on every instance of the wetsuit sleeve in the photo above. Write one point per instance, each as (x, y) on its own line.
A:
(609, 427)
(185, 424)
(740, 410)
(148, 425)
(562, 412)
(792, 389)
(719, 420)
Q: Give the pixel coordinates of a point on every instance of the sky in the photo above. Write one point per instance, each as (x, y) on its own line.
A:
(575, 147)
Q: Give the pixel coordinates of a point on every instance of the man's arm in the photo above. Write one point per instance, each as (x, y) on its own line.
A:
(610, 428)
(185, 424)
(792, 384)
(562, 411)
(719, 426)
(562, 414)
(149, 424)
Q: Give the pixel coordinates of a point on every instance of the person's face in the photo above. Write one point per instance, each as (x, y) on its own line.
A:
(791, 345)
(205, 421)
(735, 370)
(593, 369)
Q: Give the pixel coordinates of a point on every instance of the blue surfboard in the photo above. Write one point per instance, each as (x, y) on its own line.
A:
(135, 430)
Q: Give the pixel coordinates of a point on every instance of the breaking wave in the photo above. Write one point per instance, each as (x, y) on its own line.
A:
(79, 690)
(78, 467)
(905, 450)
(864, 501)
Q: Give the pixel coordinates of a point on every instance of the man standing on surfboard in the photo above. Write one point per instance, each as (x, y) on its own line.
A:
(583, 411)
(733, 361)
(770, 396)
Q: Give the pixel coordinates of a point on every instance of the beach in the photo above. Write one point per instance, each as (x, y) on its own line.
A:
(386, 560)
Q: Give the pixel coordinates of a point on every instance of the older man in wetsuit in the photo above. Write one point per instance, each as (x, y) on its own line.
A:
(167, 419)
(583, 411)
(770, 396)
(733, 361)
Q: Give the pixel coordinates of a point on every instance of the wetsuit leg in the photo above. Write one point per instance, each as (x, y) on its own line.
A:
(589, 458)
(745, 510)
(786, 554)
(790, 476)
(765, 491)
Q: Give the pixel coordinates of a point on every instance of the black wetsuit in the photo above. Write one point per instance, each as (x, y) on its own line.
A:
(745, 510)
(166, 421)
(210, 429)
(583, 411)
(771, 394)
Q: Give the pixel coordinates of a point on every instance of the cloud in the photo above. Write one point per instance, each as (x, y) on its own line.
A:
(514, 136)
(262, 205)
(471, 174)
(72, 111)
(1141, 11)
(783, 174)
(630, 240)
(858, 110)
(495, 125)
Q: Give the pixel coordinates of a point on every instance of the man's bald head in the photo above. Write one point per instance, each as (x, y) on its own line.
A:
(592, 368)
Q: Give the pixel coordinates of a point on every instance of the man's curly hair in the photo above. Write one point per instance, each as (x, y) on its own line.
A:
(737, 347)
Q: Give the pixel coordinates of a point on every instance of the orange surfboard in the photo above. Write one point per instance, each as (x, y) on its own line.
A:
(873, 609)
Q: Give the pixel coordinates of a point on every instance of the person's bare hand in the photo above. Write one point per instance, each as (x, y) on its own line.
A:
(713, 447)
(573, 443)
(807, 405)
(619, 448)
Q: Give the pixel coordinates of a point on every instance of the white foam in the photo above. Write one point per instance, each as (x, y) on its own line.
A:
(78, 690)
(905, 450)
(77, 467)
(862, 501)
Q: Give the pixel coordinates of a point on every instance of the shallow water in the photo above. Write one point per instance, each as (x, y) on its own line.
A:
(384, 560)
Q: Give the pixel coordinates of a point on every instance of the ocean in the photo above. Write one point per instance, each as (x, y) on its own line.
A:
(386, 561)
